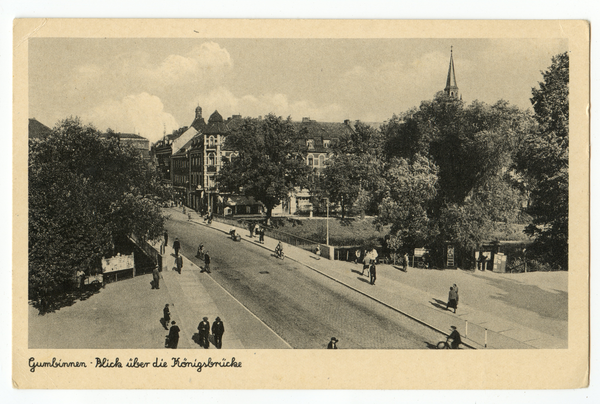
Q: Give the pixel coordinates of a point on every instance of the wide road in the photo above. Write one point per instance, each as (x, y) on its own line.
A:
(303, 307)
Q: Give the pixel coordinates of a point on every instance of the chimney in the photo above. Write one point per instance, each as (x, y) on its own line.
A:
(306, 119)
(347, 122)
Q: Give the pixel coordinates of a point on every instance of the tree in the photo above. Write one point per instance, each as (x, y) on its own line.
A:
(474, 148)
(268, 164)
(85, 191)
(412, 186)
(352, 176)
(544, 160)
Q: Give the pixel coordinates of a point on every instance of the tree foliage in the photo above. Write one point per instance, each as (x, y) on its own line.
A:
(544, 160)
(352, 177)
(473, 148)
(84, 192)
(268, 164)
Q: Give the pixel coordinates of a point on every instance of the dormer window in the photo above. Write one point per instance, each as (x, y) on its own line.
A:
(326, 143)
(310, 143)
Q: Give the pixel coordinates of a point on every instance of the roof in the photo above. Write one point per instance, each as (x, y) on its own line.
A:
(451, 80)
(125, 136)
(240, 200)
(216, 126)
(38, 130)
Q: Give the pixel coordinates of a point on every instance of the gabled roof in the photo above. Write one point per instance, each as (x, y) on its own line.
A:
(125, 136)
(38, 130)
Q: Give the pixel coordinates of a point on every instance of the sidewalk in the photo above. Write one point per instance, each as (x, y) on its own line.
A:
(422, 294)
(195, 296)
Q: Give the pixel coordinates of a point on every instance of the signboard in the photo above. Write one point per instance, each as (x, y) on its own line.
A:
(450, 256)
(419, 252)
(499, 262)
(118, 263)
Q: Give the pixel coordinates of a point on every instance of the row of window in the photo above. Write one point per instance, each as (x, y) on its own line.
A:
(311, 143)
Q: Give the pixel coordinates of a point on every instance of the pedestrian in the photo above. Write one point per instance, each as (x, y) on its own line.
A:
(189, 216)
(155, 278)
(405, 262)
(454, 338)
(179, 263)
(261, 235)
(456, 290)
(373, 272)
(318, 252)
(251, 228)
(173, 336)
(206, 263)
(357, 254)
(452, 299)
(80, 278)
(256, 229)
(166, 238)
(176, 246)
(166, 316)
(333, 343)
(217, 330)
(203, 331)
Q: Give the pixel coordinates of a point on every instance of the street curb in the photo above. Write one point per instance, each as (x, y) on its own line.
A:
(350, 287)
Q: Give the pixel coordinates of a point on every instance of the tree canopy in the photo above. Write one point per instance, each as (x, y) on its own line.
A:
(85, 190)
(544, 160)
(268, 163)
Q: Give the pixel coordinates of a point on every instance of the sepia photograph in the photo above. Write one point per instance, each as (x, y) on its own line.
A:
(228, 195)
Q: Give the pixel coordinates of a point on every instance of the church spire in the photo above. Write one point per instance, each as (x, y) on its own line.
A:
(451, 87)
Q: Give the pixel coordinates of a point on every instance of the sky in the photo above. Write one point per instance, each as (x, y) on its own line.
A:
(149, 86)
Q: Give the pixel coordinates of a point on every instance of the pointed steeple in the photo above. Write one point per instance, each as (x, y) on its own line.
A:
(451, 87)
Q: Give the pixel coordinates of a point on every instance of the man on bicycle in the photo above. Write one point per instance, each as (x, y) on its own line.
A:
(279, 249)
(454, 338)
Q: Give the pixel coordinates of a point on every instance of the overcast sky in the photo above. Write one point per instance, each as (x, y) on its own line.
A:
(145, 85)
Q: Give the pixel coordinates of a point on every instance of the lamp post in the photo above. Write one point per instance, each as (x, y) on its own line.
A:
(327, 221)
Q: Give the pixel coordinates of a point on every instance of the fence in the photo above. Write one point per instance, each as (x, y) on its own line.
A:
(291, 239)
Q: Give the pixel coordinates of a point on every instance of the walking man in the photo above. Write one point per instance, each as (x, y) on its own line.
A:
(333, 343)
(261, 235)
(217, 330)
(176, 246)
(203, 330)
(405, 262)
(166, 316)
(206, 263)
(173, 336)
(166, 238)
(251, 228)
(179, 263)
(155, 277)
(373, 271)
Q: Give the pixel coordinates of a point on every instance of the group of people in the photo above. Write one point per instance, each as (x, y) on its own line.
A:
(204, 330)
(256, 229)
(452, 298)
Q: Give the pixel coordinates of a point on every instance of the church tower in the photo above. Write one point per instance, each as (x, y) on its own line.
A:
(451, 87)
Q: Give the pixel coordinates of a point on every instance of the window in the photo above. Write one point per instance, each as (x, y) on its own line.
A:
(211, 141)
(211, 159)
(310, 143)
(322, 160)
(310, 160)
(326, 143)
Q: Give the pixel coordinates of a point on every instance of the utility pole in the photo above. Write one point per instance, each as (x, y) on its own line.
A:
(328, 221)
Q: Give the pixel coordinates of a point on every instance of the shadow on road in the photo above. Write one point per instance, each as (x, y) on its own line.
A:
(363, 279)
(440, 304)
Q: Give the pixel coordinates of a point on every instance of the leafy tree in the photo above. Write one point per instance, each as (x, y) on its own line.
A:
(412, 186)
(268, 164)
(352, 176)
(544, 160)
(85, 191)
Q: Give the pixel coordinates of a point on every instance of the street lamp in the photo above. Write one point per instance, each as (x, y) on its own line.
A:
(327, 221)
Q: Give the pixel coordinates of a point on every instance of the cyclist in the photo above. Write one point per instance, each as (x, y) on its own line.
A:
(454, 338)
(279, 249)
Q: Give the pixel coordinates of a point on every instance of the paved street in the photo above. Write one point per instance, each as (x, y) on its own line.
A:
(303, 307)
